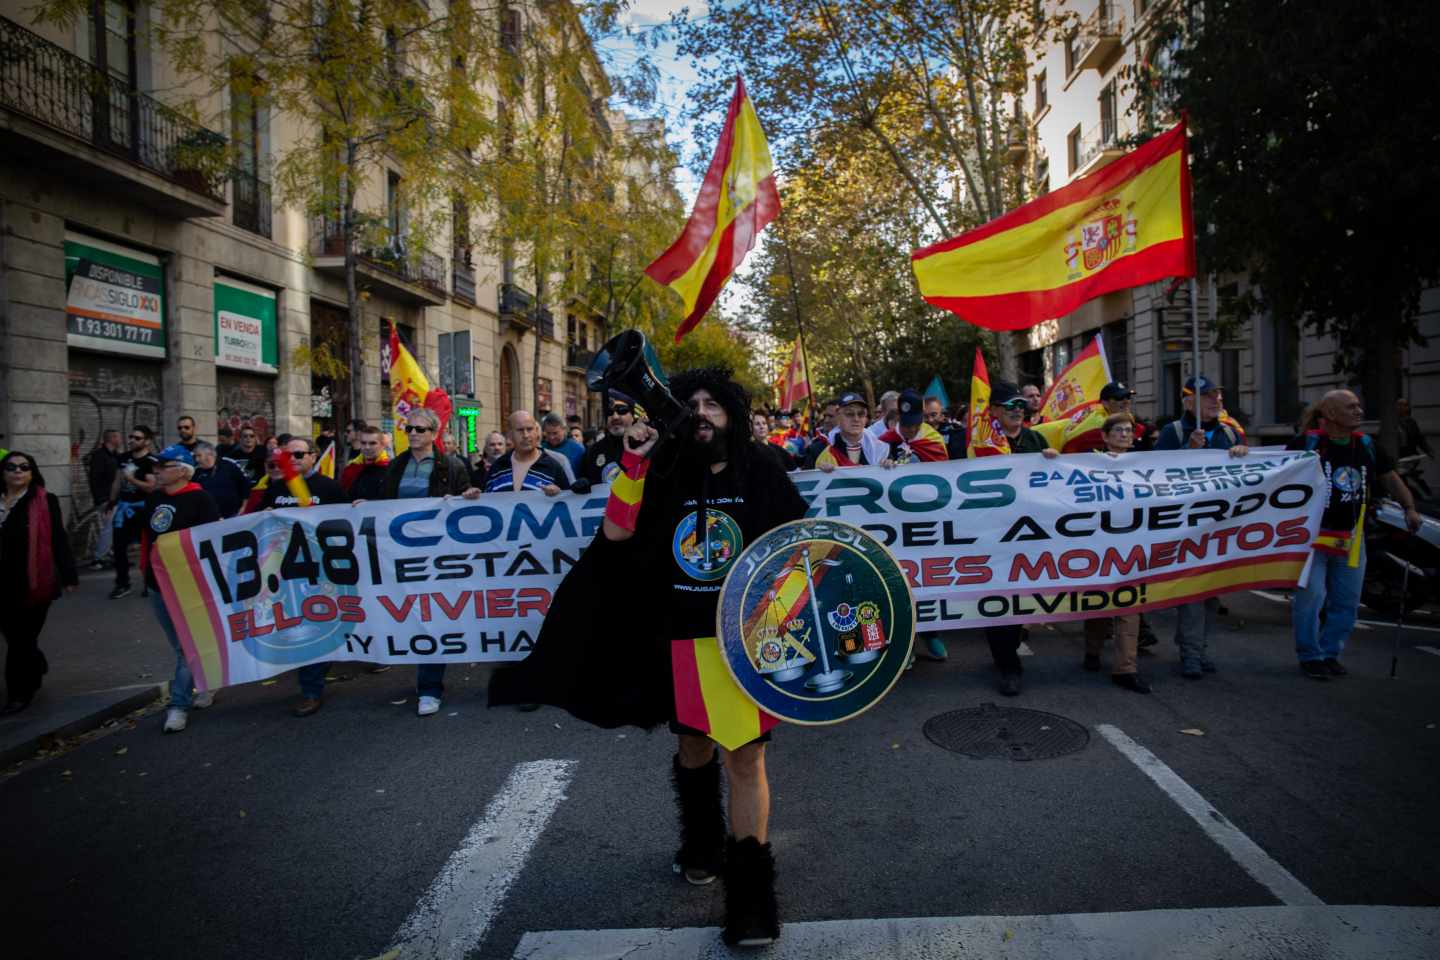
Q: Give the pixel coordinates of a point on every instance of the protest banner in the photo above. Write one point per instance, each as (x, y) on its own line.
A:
(1015, 539)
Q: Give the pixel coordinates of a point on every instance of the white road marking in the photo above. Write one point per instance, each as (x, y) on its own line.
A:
(1265, 595)
(1024, 650)
(1237, 933)
(1429, 650)
(1241, 848)
(451, 918)
(1404, 626)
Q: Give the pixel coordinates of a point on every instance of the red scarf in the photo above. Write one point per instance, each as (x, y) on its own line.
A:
(39, 553)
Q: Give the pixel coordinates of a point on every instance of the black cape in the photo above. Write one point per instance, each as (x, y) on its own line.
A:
(602, 654)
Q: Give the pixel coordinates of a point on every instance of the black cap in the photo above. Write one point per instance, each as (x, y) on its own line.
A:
(912, 408)
(1116, 391)
(1002, 391)
(1200, 384)
(851, 397)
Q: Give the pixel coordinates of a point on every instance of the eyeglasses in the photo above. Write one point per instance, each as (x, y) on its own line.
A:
(410, 428)
(18, 467)
(619, 411)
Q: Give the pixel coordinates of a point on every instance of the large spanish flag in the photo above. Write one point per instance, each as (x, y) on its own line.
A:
(794, 383)
(1125, 225)
(736, 201)
(408, 387)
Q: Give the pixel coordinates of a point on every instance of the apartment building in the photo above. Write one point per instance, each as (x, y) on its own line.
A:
(1080, 105)
(140, 283)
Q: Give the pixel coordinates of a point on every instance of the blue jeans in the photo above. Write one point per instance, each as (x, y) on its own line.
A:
(182, 685)
(1334, 588)
(1194, 626)
(312, 679)
(430, 680)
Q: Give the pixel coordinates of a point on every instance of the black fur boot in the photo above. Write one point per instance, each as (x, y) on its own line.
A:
(702, 821)
(752, 918)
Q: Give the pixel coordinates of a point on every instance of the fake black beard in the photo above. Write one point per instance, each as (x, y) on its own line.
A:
(713, 450)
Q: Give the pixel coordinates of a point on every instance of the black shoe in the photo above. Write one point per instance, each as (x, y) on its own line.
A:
(1010, 684)
(119, 592)
(1130, 681)
(1091, 662)
(527, 707)
(1315, 669)
(702, 821)
(752, 918)
(1335, 668)
(15, 706)
(1147, 638)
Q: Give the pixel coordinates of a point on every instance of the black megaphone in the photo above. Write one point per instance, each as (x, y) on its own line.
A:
(627, 364)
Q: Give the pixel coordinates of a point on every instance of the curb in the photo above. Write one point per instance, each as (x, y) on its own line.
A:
(27, 748)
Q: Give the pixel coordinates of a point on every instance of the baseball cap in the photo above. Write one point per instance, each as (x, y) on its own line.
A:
(176, 454)
(1116, 391)
(1002, 392)
(1201, 384)
(851, 397)
(912, 408)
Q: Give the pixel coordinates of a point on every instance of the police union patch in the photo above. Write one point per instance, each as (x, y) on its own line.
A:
(816, 621)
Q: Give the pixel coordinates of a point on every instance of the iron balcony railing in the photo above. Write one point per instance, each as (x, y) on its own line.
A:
(1103, 138)
(462, 279)
(517, 303)
(250, 203)
(51, 85)
(545, 322)
(578, 357)
(395, 255)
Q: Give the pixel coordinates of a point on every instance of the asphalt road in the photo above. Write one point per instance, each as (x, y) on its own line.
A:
(254, 834)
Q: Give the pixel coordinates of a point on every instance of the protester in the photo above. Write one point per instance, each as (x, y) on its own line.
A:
(527, 466)
(709, 477)
(577, 433)
(224, 442)
(221, 479)
(602, 459)
(100, 472)
(133, 483)
(363, 476)
(913, 439)
(557, 441)
(829, 418)
(1118, 435)
(849, 444)
(1412, 438)
(1323, 609)
(351, 450)
(305, 455)
(36, 564)
(177, 503)
(249, 455)
(1034, 397)
(490, 451)
(889, 401)
(1213, 430)
(760, 430)
(326, 437)
(185, 427)
(1086, 434)
(1008, 408)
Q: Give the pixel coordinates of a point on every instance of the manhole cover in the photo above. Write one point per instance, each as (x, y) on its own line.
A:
(988, 732)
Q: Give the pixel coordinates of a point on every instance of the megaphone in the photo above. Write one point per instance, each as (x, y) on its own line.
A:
(627, 364)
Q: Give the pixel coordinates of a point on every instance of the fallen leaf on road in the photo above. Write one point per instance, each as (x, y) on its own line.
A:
(122, 751)
(1009, 935)
(1193, 732)
(389, 955)
(396, 703)
(268, 683)
(557, 726)
(65, 773)
(242, 814)
(378, 790)
(894, 746)
(453, 713)
(142, 774)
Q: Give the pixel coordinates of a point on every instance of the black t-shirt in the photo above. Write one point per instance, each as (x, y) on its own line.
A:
(166, 514)
(323, 490)
(145, 465)
(1028, 441)
(738, 510)
(251, 464)
(601, 460)
(1353, 469)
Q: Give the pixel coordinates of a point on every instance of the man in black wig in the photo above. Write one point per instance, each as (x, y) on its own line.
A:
(677, 519)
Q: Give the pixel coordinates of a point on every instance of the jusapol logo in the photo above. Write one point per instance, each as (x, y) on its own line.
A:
(708, 557)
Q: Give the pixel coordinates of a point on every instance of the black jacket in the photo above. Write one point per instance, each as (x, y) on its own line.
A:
(450, 476)
(226, 484)
(15, 547)
(101, 474)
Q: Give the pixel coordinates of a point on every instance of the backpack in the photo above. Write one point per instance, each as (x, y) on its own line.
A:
(1180, 438)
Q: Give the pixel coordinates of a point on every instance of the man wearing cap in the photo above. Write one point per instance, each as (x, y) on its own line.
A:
(177, 503)
(602, 458)
(1204, 426)
(913, 439)
(849, 444)
(1086, 434)
(1008, 408)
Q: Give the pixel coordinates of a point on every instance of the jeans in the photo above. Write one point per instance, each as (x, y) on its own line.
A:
(430, 680)
(1194, 624)
(127, 531)
(103, 538)
(182, 685)
(312, 679)
(1334, 589)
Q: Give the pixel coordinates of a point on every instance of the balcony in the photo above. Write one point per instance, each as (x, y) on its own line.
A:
(577, 358)
(1099, 146)
(1100, 40)
(250, 203)
(61, 113)
(1016, 143)
(462, 279)
(545, 323)
(398, 269)
(517, 306)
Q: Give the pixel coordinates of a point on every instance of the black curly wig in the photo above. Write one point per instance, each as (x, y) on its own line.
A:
(731, 395)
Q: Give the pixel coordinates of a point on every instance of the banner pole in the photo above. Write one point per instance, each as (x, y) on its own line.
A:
(1195, 334)
(799, 322)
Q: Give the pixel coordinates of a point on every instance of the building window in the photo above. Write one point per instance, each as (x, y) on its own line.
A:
(1042, 176)
(1230, 383)
(1109, 128)
(1070, 53)
(1286, 367)
(1117, 349)
(394, 206)
(1072, 149)
(1042, 96)
(570, 329)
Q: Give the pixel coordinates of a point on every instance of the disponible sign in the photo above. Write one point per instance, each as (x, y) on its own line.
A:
(1012, 539)
(245, 327)
(114, 298)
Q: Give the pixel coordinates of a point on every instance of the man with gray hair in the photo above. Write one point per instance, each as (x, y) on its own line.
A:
(220, 478)
(557, 440)
(889, 403)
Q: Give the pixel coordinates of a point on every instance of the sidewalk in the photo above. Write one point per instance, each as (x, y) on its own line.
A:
(107, 657)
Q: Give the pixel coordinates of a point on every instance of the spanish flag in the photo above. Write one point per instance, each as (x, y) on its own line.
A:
(794, 383)
(296, 484)
(1125, 225)
(1078, 385)
(408, 387)
(736, 201)
(326, 466)
(985, 438)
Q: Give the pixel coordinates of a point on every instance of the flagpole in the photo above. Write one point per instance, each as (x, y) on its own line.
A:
(799, 323)
(1195, 333)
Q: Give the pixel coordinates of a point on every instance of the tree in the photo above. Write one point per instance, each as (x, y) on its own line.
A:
(1318, 178)
(363, 82)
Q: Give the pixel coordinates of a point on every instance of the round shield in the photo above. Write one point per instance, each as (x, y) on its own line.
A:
(816, 621)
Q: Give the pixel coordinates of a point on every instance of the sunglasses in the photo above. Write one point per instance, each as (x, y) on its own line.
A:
(413, 429)
(619, 411)
(18, 467)
(136, 438)
(1019, 403)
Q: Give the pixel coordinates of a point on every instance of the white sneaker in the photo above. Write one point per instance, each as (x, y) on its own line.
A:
(428, 705)
(203, 700)
(175, 720)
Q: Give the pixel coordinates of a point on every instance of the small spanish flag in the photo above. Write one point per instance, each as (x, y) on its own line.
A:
(1125, 225)
(737, 200)
(985, 437)
(326, 466)
(295, 483)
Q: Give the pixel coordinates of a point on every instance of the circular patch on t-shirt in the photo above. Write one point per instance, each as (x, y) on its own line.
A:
(708, 557)
(1347, 479)
(163, 517)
